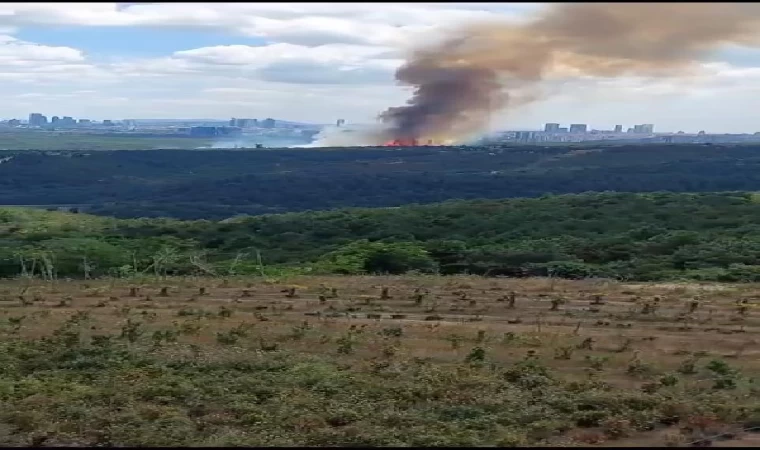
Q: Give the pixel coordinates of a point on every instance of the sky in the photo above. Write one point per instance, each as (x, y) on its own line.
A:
(309, 62)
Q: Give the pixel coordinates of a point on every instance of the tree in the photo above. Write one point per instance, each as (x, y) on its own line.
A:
(378, 257)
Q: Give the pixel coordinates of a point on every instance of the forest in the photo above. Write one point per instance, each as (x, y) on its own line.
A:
(626, 236)
(218, 184)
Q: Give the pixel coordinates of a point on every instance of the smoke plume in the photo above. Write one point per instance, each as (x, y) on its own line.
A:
(487, 67)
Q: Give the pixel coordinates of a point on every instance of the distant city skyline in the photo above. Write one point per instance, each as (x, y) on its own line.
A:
(242, 132)
(262, 122)
(36, 117)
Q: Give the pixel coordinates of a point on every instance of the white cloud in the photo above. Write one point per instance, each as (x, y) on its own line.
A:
(338, 64)
(16, 52)
(296, 23)
(29, 63)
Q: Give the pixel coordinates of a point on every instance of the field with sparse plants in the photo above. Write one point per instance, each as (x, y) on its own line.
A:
(377, 361)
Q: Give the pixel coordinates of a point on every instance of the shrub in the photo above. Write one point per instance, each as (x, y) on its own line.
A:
(377, 257)
(476, 356)
(392, 331)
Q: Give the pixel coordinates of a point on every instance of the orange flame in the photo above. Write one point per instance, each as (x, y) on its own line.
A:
(402, 143)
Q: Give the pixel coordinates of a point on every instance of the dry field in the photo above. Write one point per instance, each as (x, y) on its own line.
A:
(378, 361)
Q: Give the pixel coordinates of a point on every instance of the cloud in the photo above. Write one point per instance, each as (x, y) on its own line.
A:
(30, 63)
(16, 52)
(250, 55)
(285, 63)
(296, 23)
(306, 72)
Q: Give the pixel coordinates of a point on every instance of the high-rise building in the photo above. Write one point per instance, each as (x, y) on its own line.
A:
(54, 120)
(84, 121)
(551, 128)
(524, 136)
(243, 123)
(37, 120)
(618, 128)
(107, 122)
(340, 123)
(578, 127)
(646, 128)
(67, 121)
(268, 123)
(562, 130)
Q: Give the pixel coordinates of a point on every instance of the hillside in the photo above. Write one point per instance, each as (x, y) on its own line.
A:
(657, 236)
(217, 184)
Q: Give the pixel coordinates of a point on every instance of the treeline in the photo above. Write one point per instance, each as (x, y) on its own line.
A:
(655, 236)
(218, 184)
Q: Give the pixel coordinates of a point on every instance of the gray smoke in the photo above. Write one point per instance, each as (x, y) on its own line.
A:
(491, 66)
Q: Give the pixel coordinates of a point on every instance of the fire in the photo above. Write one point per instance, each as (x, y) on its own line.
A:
(406, 143)
(402, 143)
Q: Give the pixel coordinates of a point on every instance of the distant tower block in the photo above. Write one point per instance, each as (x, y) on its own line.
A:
(340, 122)
(578, 128)
(618, 128)
(551, 128)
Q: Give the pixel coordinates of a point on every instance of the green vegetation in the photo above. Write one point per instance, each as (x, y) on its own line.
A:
(217, 184)
(656, 236)
(52, 141)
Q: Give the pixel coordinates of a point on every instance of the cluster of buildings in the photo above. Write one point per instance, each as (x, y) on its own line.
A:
(211, 131)
(643, 133)
(268, 123)
(254, 128)
(41, 121)
(206, 129)
(239, 129)
(579, 132)
(646, 128)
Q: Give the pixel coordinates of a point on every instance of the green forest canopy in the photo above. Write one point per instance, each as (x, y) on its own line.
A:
(217, 184)
(654, 236)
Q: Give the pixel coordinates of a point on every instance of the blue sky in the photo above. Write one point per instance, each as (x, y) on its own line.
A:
(312, 62)
(738, 56)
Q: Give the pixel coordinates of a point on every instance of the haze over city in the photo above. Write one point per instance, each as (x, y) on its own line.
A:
(310, 63)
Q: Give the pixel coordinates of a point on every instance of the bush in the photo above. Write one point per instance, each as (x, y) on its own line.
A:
(377, 257)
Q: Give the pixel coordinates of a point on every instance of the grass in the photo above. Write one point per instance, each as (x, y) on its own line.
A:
(343, 361)
(51, 140)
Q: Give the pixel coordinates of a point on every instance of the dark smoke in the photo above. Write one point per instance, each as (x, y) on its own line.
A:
(491, 66)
